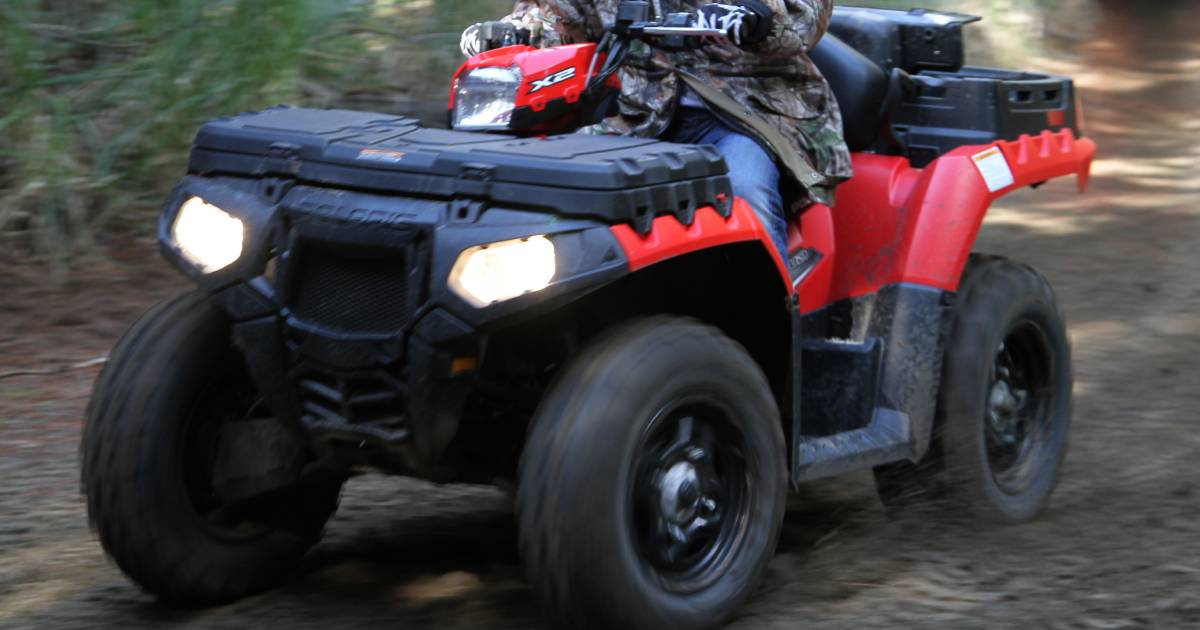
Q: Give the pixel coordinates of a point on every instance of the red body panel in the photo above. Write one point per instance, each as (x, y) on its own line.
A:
(893, 223)
(539, 64)
(669, 238)
(896, 224)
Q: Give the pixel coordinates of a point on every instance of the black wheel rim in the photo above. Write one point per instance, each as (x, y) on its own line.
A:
(228, 399)
(1018, 420)
(691, 494)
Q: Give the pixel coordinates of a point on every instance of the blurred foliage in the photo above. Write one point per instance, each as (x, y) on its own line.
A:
(100, 98)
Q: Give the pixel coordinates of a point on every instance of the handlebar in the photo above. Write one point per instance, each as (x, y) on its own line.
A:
(676, 31)
(633, 23)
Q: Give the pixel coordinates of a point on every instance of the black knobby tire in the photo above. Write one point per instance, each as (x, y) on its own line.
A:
(161, 388)
(652, 393)
(998, 462)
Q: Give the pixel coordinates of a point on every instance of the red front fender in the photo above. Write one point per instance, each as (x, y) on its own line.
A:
(669, 238)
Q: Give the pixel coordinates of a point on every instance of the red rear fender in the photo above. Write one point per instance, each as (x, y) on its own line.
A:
(896, 224)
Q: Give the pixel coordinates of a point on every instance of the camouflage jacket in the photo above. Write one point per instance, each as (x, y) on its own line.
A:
(773, 79)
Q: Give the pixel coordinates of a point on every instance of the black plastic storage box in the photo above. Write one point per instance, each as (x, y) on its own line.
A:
(912, 41)
(946, 105)
(612, 178)
(980, 106)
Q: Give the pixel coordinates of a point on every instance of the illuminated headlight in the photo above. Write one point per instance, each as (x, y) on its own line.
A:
(501, 271)
(208, 236)
(485, 98)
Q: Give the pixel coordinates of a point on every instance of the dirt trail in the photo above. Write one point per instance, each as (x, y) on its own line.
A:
(1119, 547)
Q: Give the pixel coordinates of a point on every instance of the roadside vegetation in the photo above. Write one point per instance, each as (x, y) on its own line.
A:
(99, 99)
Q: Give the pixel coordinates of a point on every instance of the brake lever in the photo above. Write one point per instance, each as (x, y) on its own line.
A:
(683, 31)
(675, 30)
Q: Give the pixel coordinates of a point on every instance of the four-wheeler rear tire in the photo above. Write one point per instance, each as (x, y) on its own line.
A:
(147, 455)
(1004, 407)
(652, 486)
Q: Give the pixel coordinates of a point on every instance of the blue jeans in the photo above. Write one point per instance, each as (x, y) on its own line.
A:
(752, 170)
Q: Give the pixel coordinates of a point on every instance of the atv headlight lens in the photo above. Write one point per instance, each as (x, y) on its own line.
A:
(501, 271)
(209, 237)
(484, 98)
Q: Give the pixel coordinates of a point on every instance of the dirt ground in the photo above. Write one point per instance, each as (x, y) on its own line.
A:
(1118, 548)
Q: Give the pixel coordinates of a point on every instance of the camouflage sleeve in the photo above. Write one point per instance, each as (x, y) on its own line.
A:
(555, 22)
(799, 25)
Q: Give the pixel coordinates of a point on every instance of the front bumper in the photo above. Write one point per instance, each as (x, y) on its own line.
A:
(342, 309)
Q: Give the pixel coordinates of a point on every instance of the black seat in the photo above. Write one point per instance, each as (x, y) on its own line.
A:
(860, 87)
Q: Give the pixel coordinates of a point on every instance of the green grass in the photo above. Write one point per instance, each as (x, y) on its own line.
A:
(99, 100)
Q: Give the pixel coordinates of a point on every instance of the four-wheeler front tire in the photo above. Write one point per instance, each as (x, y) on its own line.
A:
(1004, 406)
(147, 456)
(652, 486)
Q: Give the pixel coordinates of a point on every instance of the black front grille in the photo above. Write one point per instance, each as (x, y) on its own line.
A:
(367, 403)
(353, 294)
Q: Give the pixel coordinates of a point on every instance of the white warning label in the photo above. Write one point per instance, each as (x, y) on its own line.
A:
(994, 169)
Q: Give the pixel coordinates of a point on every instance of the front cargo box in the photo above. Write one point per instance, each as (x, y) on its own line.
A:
(615, 179)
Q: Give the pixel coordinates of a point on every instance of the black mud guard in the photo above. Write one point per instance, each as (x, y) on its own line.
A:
(876, 390)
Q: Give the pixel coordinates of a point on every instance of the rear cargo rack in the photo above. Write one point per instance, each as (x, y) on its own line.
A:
(976, 106)
(946, 104)
(913, 41)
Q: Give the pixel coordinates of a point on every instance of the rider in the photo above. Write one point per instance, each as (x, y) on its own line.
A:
(754, 94)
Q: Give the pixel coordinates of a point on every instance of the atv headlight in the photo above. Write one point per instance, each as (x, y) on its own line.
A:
(501, 271)
(484, 98)
(209, 237)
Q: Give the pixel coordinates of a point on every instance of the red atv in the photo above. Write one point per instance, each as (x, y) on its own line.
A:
(595, 319)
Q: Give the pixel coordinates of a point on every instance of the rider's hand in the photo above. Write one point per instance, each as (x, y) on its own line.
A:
(486, 36)
(747, 22)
